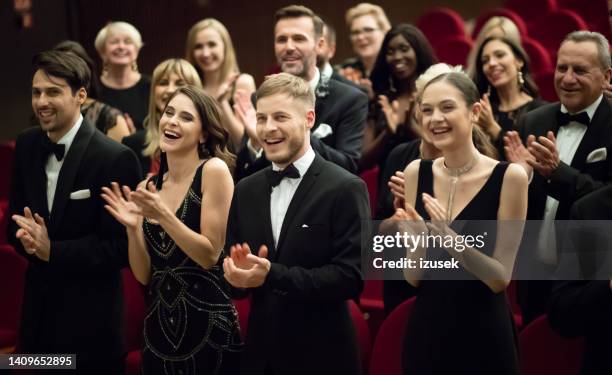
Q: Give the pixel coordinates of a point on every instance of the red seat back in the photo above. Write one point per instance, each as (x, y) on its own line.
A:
(134, 311)
(552, 32)
(538, 56)
(454, 50)
(387, 352)
(543, 351)
(12, 278)
(363, 334)
(441, 23)
(531, 10)
(546, 85)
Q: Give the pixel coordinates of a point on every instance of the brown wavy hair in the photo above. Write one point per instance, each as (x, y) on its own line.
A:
(216, 136)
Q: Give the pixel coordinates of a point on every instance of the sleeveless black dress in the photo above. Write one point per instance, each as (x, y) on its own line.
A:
(191, 326)
(458, 325)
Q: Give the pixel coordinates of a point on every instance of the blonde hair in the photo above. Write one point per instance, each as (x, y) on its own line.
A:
(367, 9)
(230, 63)
(509, 30)
(117, 26)
(184, 70)
(288, 84)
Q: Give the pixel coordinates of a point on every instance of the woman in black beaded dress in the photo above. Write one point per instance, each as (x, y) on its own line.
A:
(176, 223)
(460, 322)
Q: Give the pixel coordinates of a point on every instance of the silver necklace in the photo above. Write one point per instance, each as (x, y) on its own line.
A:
(454, 174)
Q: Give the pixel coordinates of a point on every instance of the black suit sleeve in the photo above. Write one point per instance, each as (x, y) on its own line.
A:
(232, 237)
(107, 247)
(17, 202)
(341, 278)
(568, 184)
(579, 308)
(349, 134)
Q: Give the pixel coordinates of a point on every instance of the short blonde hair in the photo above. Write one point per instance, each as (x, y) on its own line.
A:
(181, 68)
(365, 9)
(119, 26)
(229, 65)
(288, 84)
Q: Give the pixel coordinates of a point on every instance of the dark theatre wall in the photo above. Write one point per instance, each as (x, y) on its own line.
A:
(164, 25)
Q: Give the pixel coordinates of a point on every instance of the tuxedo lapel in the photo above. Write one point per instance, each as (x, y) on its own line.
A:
(594, 135)
(68, 173)
(296, 202)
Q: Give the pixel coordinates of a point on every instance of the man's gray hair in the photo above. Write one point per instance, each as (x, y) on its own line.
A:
(603, 48)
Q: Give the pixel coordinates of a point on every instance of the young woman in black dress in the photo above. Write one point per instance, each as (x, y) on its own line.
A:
(175, 222)
(461, 323)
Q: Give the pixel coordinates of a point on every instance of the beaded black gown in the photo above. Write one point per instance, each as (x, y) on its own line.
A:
(191, 326)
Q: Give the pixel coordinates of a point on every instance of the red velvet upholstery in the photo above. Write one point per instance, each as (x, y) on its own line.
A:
(593, 12)
(546, 84)
(243, 306)
(387, 352)
(12, 273)
(538, 56)
(363, 334)
(134, 312)
(453, 50)
(555, 28)
(543, 351)
(441, 23)
(4, 218)
(531, 10)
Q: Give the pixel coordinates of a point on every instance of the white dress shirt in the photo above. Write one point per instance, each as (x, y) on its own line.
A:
(53, 167)
(283, 193)
(327, 71)
(568, 139)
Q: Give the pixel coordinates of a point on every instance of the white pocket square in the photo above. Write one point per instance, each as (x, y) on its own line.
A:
(322, 131)
(80, 194)
(597, 155)
(304, 225)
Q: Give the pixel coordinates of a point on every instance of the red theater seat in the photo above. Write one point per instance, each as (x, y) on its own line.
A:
(545, 82)
(134, 312)
(243, 306)
(531, 10)
(363, 334)
(6, 160)
(539, 58)
(500, 12)
(12, 273)
(440, 23)
(543, 351)
(454, 50)
(593, 12)
(556, 27)
(387, 352)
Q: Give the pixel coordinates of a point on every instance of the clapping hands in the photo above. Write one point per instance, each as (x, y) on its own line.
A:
(243, 269)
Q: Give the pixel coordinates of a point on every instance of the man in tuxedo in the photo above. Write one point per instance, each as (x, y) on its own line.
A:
(72, 301)
(341, 110)
(296, 246)
(567, 146)
(582, 308)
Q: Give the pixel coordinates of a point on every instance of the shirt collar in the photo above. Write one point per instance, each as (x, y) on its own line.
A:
(590, 110)
(315, 80)
(68, 138)
(327, 71)
(303, 163)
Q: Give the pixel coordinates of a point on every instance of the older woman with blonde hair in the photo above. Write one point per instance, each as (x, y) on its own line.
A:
(168, 76)
(122, 85)
(210, 49)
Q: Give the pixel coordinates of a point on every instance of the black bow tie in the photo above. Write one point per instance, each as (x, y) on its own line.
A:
(49, 147)
(275, 177)
(566, 118)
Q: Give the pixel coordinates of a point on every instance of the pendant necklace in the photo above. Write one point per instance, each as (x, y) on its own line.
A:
(454, 174)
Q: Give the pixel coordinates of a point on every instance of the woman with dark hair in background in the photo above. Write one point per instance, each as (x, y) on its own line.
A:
(461, 322)
(176, 222)
(106, 118)
(122, 85)
(405, 54)
(504, 80)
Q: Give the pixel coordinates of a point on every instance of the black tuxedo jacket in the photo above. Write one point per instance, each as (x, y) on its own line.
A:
(299, 321)
(342, 107)
(73, 303)
(569, 182)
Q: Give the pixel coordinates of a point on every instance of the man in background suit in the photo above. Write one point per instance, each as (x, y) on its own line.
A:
(303, 218)
(72, 301)
(583, 308)
(567, 147)
(341, 110)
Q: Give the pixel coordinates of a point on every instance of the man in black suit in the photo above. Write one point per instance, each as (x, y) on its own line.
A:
(341, 110)
(72, 301)
(567, 147)
(582, 308)
(303, 217)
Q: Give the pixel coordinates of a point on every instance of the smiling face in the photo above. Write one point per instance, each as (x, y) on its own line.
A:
(401, 58)
(54, 104)
(295, 46)
(499, 64)
(366, 36)
(180, 127)
(209, 50)
(445, 117)
(164, 89)
(119, 49)
(579, 78)
(283, 128)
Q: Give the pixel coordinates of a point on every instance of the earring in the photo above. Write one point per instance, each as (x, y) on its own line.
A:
(105, 67)
(135, 66)
(521, 80)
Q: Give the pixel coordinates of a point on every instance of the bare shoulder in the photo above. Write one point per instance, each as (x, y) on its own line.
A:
(216, 170)
(412, 169)
(515, 176)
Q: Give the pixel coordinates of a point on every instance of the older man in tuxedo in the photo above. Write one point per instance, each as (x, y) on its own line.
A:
(567, 146)
(341, 109)
(294, 238)
(75, 249)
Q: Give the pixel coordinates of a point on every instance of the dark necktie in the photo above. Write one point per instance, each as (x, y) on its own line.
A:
(566, 118)
(275, 177)
(50, 147)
